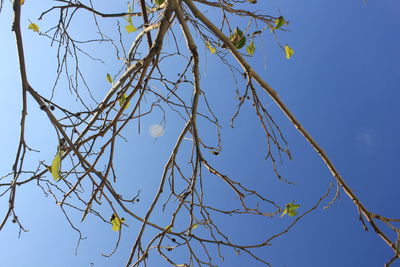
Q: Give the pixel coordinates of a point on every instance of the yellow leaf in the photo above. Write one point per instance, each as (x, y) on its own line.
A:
(211, 48)
(55, 167)
(168, 229)
(22, 2)
(109, 78)
(251, 48)
(279, 22)
(122, 101)
(130, 28)
(34, 27)
(289, 52)
(116, 222)
(194, 226)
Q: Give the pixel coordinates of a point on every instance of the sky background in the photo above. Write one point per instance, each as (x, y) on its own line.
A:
(342, 84)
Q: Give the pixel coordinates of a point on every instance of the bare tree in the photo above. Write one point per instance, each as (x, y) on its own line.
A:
(82, 174)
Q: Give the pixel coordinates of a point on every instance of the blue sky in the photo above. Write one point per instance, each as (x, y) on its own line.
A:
(342, 84)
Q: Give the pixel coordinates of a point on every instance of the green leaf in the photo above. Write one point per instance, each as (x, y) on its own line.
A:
(129, 18)
(168, 229)
(34, 27)
(109, 78)
(159, 2)
(250, 49)
(290, 209)
(116, 222)
(211, 48)
(238, 39)
(122, 101)
(289, 52)
(130, 28)
(194, 226)
(55, 167)
(279, 22)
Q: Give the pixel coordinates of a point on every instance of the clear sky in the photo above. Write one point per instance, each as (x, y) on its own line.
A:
(342, 83)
